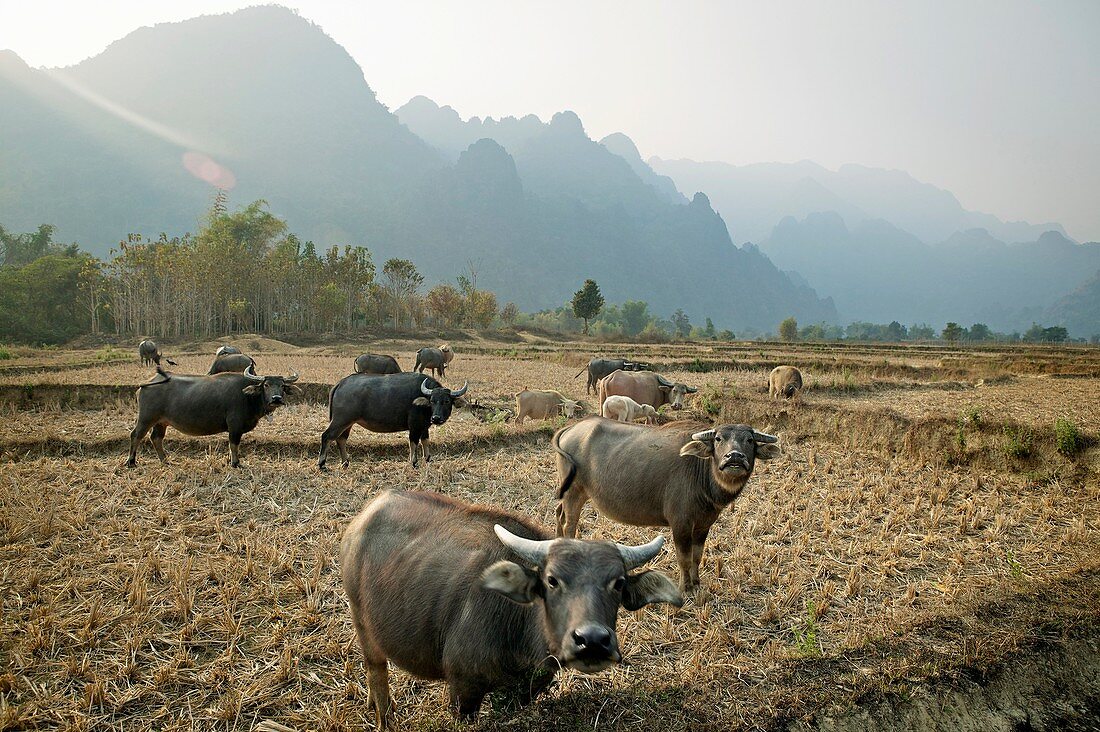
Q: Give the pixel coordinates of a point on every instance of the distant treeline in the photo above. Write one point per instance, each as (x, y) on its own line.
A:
(246, 272)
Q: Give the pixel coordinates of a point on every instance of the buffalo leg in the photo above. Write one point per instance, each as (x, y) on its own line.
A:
(412, 450)
(332, 432)
(235, 448)
(466, 698)
(136, 436)
(682, 538)
(425, 448)
(569, 511)
(157, 438)
(698, 539)
(342, 445)
(378, 676)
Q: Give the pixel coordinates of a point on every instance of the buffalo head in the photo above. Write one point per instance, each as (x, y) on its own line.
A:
(675, 391)
(734, 448)
(440, 399)
(581, 585)
(273, 388)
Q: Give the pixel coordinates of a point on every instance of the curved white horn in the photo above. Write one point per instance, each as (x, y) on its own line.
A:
(291, 379)
(250, 374)
(424, 388)
(704, 436)
(460, 392)
(533, 551)
(636, 556)
(764, 438)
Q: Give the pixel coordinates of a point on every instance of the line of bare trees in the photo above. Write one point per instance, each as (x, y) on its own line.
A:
(245, 271)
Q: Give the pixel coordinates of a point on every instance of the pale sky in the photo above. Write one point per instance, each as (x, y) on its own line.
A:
(998, 102)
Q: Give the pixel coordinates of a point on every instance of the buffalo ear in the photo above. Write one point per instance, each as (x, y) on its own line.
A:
(699, 449)
(768, 451)
(292, 389)
(650, 587)
(422, 402)
(253, 389)
(461, 402)
(518, 584)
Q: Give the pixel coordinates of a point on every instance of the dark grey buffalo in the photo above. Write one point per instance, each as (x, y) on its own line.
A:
(370, 363)
(233, 363)
(226, 350)
(483, 598)
(206, 405)
(150, 354)
(434, 359)
(387, 403)
(600, 367)
(681, 475)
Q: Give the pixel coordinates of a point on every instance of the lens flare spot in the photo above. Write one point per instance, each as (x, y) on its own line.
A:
(206, 169)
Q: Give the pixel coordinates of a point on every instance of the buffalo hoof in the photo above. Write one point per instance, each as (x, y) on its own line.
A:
(131, 463)
(322, 467)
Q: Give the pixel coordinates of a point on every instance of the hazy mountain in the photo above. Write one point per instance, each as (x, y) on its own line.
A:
(554, 158)
(1079, 311)
(877, 272)
(754, 198)
(263, 102)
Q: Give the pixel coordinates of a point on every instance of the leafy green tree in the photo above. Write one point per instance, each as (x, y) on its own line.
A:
(509, 313)
(709, 330)
(1055, 334)
(922, 332)
(635, 315)
(895, 332)
(980, 332)
(788, 330)
(481, 308)
(952, 332)
(587, 302)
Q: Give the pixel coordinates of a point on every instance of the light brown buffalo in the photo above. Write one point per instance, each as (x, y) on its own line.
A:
(644, 387)
(539, 404)
(785, 381)
(681, 475)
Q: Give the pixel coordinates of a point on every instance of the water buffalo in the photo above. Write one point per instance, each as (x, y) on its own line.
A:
(232, 363)
(600, 367)
(544, 405)
(483, 598)
(226, 350)
(625, 409)
(645, 476)
(785, 381)
(150, 354)
(369, 363)
(645, 388)
(206, 405)
(389, 403)
(435, 359)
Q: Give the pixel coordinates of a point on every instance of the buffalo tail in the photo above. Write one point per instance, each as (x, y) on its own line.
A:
(572, 473)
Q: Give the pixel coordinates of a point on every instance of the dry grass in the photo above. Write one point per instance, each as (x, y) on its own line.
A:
(189, 596)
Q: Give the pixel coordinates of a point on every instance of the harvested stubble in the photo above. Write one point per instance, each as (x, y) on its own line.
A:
(189, 596)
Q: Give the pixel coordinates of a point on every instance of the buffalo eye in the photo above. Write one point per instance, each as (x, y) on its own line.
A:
(619, 584)
(552, 581)
(717, 438)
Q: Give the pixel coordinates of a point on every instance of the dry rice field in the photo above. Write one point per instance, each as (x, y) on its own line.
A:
(921, 531)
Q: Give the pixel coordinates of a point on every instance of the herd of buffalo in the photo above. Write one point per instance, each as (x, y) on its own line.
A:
(477, 596)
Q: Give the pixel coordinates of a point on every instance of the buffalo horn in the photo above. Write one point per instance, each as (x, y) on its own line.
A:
(636, 556)
(764, 438)
(692, 389)
(533, 551)
(424, 388)
(704, 436)
(250, 374)
(291, 379)
(460, 392)
(663, 381)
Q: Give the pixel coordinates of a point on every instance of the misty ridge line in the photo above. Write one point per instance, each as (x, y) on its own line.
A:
(423, 183)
